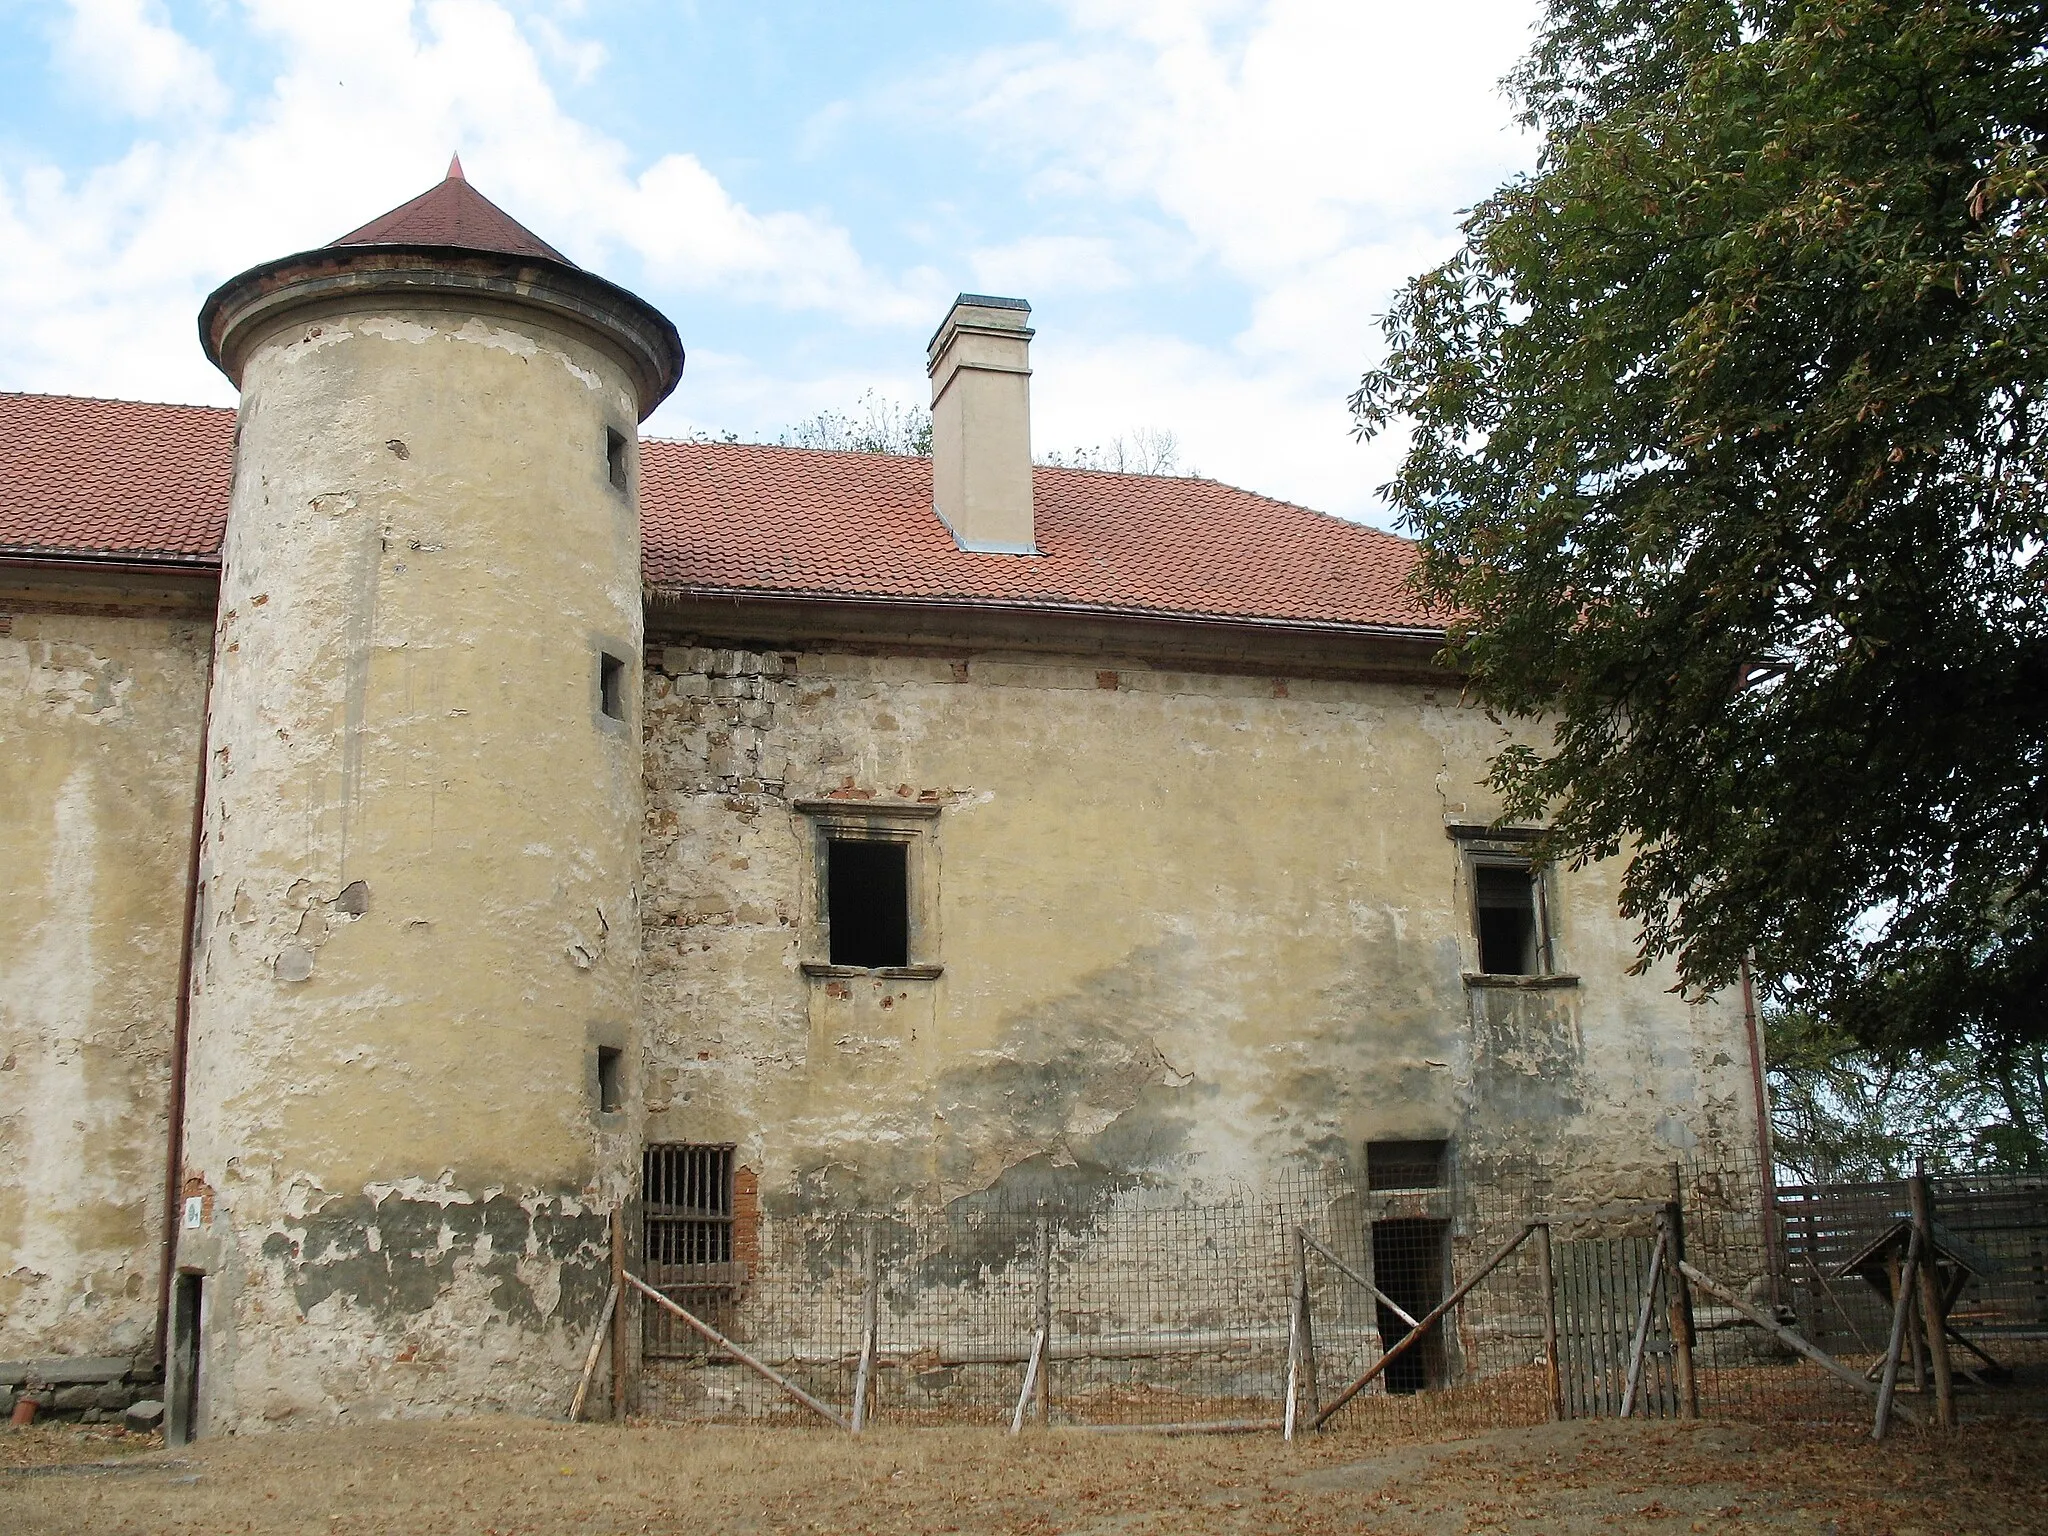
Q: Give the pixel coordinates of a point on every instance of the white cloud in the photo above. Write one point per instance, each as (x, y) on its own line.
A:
(1313, 153)
(101, 274)
(126, 55)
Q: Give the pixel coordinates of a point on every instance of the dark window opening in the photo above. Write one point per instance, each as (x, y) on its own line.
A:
(1409, 1257)
(611, 685)
(1505, 899)
(611, 1093)
(867, 902)
(1407, 1164)
(615, 457)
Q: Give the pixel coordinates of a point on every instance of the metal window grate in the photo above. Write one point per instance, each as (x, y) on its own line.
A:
(688, 1202)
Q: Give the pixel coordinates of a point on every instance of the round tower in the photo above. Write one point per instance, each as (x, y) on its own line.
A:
(412, 1096)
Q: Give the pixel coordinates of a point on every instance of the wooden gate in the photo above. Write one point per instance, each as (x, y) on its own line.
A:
(1600, 1292)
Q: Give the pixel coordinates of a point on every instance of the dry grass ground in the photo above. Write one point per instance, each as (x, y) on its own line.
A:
(507, 1476)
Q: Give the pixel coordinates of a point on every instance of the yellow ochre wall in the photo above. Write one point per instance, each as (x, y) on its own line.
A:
(420, 867)
(1192, 928)
(99, 758)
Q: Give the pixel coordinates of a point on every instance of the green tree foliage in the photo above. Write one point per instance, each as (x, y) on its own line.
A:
(1840, 1110)
(1727, 459)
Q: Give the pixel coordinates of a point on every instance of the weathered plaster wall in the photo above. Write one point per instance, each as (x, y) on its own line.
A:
(1192, 927)
(99, 761)
(420, 914)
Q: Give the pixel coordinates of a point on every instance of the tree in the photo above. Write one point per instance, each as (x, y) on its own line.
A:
(1727, 463)
(876, 424)
(1842, 1111)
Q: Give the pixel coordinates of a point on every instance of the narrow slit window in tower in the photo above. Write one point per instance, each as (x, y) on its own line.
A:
(611, 1094)
(615, 456)
(611, 685)
(867, 902)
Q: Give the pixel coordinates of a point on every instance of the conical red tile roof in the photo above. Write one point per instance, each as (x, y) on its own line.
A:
(453, 213)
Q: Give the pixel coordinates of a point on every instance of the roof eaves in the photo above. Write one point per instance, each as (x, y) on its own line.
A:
(683, 590)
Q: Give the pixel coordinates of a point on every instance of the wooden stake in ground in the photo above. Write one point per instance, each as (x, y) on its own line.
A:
(1903, 1285)
(598, 1335)
(1933, 1305)
(1042, 1407)
(1031, 1370)
(712, 1336)
(870, 1323)
(1637, 1349)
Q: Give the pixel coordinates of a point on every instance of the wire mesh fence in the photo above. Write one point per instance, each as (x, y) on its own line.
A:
(1488, 1299)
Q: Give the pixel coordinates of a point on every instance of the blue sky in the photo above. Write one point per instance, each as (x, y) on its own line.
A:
(1206, 202)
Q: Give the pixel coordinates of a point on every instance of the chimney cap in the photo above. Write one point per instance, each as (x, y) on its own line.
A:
(979, 301)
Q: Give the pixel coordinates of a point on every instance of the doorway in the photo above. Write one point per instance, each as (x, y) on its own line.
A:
(181, 1412)
(1409, 1258)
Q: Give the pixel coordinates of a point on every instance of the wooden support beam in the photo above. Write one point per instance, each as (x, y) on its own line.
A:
(1429, 1320)
(1933, 1303)
(711, 1335)
(870, 1325)
(598, 1336)
(1641, 1343)
(1553, 1377)
(1777, 1330)
(1031, 1371)
(1355, 1277)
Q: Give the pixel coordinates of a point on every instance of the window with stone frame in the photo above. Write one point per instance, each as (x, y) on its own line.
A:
(871, 878)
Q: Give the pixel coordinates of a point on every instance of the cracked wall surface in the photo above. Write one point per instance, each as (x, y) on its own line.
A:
(99, 750)
(1189, 928)
(420, 869)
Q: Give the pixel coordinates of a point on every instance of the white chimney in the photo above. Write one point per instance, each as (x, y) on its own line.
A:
(980, 364)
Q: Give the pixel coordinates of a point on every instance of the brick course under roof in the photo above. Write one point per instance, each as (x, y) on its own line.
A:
(119, 480)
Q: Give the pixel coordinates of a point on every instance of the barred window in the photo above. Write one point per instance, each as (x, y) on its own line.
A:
(687, 1195)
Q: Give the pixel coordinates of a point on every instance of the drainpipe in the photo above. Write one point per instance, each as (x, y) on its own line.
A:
(181, 1035)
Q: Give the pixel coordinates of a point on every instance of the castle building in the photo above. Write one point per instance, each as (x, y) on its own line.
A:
(431, 814)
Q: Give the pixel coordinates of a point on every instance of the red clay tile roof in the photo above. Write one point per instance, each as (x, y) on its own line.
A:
(731, 518)
(110, 479)
(454, 213)
(114, 478)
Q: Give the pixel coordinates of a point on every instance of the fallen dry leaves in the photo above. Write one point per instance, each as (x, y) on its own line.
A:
(521, 1478)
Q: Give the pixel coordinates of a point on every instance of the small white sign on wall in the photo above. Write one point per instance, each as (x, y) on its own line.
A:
(195, 1212)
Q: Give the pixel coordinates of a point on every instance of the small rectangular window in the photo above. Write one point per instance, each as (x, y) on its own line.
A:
(611, 685)
(1504, 901)
(615, 457)
(867, 902)
(611, 1093)
(1407, 1164)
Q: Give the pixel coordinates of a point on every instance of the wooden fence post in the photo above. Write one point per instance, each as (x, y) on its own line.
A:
(1552, 1376)
(870, 1325)
(1310, 1393)
(1933, 1319)
(619, 1315)
(1682, 1337)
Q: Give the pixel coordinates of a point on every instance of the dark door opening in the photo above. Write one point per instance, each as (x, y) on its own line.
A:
(1408, 1261)
(183, 1408)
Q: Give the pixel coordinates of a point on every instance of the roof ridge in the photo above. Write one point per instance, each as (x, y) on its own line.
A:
(161, 405)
